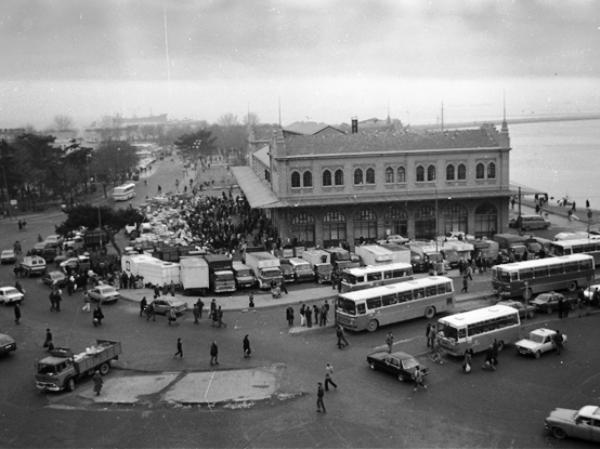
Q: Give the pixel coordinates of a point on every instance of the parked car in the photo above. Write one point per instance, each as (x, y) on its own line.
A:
(33, 265)
(398, 239)
(8, 256)
(76, 263)
(588, 294)
(10, 295)
(399, 364)
(7, 344)
(163, 305)
(524, 310)
(583, 423)
(54, 240)
(548, 302)
(104, 293)
(55, 277)
(538, 342)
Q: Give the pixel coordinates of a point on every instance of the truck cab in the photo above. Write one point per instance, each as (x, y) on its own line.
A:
(220, 273)
(244, 278)
(302, 270)
(287, 270)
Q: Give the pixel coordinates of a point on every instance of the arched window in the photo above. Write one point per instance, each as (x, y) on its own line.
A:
(425, 223)
(450, 172)
(420, 174)
(326, 178)
(389, 175)
(370, 176)
(303, 230)
(462, 172)
(396, 221)
(339, 178)
(307, 179)
(334, 229)
(365, 226)
(431, 173)
(401, 175)
(480, 171)
(456, 219)
(491, 171)
(295, 179)
(486, 220)
(358, 176)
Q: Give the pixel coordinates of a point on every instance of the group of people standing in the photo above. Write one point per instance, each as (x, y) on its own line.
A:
(321, 314)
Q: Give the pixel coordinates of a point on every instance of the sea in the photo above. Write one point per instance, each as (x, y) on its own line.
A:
(561, 158)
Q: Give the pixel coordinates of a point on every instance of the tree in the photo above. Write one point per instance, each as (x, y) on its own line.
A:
(251, 120)
(227, 120)
(112, 160)
(109, 220)
(63, 122)
(196, 144)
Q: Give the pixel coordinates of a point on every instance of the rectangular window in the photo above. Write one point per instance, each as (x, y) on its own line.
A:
(571, 267)
(431, 291)
(554, 270)
(373, 277)
(540, 272)
(373, 303)
(388, 300)
(361, 309)
(405, 297)
(526, 273)
(419, 293)
(585, 265)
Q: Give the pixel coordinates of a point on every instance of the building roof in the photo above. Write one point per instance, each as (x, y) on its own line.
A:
(263, 155)
(383, 142)
(258, 195)
(307, 128)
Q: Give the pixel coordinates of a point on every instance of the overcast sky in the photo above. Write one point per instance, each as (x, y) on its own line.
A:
(325, 60)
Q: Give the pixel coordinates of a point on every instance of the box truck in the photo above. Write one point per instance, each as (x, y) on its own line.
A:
(194, 275)
(265, 267)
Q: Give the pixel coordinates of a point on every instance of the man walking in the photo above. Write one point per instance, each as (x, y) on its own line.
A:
(179, 349)
(196, 313)
(328, 379)
(302, 315)
(320, 394)
(200, 305)
(419, 378)
(98, 382)
(558, 342)
(389, 341)
(289, 315)
(150, 312)
(214, 353)
(340, 336)
(143, 304)
(48, 342)
(17, 310)
(561, 308)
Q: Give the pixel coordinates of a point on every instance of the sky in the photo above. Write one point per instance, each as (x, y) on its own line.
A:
(317, 60)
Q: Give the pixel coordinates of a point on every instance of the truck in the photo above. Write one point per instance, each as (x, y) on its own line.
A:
(265, 267)
(400, 253)
(194, 275)
(374, 254)
(514, 245)
(158, 272)
(62, 368)
(287, 271)
(319, 261)
(94, 240)
(456, 250)
(220, 273)
(302, 270)
(341, 259)
(426, 255)
(244, 278)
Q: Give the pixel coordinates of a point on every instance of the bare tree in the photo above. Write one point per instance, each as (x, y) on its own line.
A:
(227, 120)
(251, 119)
(63, 122)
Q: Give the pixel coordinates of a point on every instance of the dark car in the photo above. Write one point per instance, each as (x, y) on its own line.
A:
(399, 364)
(524, 310)
(7, 344)
(57, 277)
(548, 302)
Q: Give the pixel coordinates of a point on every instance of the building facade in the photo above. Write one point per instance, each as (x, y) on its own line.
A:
(343, 189)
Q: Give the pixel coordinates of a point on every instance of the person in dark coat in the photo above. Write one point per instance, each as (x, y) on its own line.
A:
(179, 349)
(308, 316)
(558, 342)
(427, 334)
(489, 359)
(213, 309)
(48, 342)
(143, 305)
(289, 315)
(150, 312)
(98, 382)
(97, 316)
(341, 340)
(246, 345)
(561, 308)
(200, 307)
(214, 353)
(17, 310)
(283, 287)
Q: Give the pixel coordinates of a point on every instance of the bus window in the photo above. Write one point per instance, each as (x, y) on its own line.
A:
(405, 296)
(556, 270)
(448, 331)
(540, 272)
(442, 288)
(347, 306)
(361, 309)
(431, 291)
(419, 293)
(373, 277)
(388, 300)
(350, 279)
(398, 274)
(526, 273)
(373, 303)
(571, 267)
(590, 247)
(585, 265)
(578, 249)
(462, 333)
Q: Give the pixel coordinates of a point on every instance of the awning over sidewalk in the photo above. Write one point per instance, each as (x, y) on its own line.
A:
(259, 196)
(525, 190)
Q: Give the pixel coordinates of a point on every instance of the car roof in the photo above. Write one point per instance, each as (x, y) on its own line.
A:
(543, 331)
(590, 411)
(7, 251)
(8, 288)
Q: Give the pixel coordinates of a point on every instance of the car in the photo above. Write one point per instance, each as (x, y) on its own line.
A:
(33, 265)
(588, 294)
(538, 342)
(400, 364)
(75, 263)
(55, 277)
(54, 240)
(583, 423)
(8, 256)
(548, 302)
(48, 253)
(524, 310)
(73, 242)
(104, 293)
(398, 239)
(163, 305)
(10, 295)
(7, 344)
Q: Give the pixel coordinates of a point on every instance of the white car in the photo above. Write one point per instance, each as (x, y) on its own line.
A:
(104, 293)
(54, 240)
(588, 293)
(539, 341)
(10, 295)
(398, 239)
(583, 423)
(8, 256)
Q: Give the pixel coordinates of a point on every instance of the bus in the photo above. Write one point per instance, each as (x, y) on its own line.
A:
(579, 246)
(478, 328)
(374, 276)
(374, 307)
(541, 275)
(124, 192)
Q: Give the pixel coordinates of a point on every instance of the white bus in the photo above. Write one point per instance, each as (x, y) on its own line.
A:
(374, 307)
(478, 328)
(578, 246)
(374, 276)
(124, 192)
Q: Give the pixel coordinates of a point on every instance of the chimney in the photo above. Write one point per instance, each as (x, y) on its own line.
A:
(354, 125)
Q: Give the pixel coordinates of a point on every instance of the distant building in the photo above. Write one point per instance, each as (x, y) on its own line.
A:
(340, 188)
(10, 134)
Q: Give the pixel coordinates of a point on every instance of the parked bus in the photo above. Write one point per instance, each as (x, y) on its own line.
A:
(124, 192)
(374, 276)
(374, 307)
(478, 328)
(579, 246)
(542, 275)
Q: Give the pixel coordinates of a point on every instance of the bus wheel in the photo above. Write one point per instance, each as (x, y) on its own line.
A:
(527, 294)
(500, 345)
(372, 325)
(429, 312)
(572, 286)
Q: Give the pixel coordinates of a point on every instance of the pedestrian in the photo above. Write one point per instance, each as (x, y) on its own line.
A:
(48, 342)
(97, 316)
(323, 316)
(328, 379)
(57, 299)
(196, 313)
(19, 287)
(308, 315)
(495, 351)
(143, 305)
(214, 353)
(419, 379)
(98, 382)
(213, 309)
(17, 311)
(251, 300)
(316, 314)
(558, 342)
(469, 271)
(200, 307)
(220, 317)
(427, 334)
(302, 315)
(289, 315)
(246, 347)
(561, 308)
(465, 283)
(283, 287)
(389, 341)
(172, 288)
(339, 332)
(150, 312)
(320, 394)
(172, 316)
(587, 204)
(489, 359)
(467, 363)
(179, 349)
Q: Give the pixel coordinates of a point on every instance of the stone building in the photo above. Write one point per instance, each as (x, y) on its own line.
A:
(338, 189)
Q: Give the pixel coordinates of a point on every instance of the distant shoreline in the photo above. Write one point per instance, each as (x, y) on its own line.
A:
(516, 121)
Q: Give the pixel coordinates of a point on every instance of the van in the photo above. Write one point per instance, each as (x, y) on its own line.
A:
(302, 270)
(530, 222)
(287, 270)
(33, 265)
(243, 275)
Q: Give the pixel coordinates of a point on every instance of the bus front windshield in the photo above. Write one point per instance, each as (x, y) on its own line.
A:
(346, 306)
(450, 332)
(498, 274)
(350, 278)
